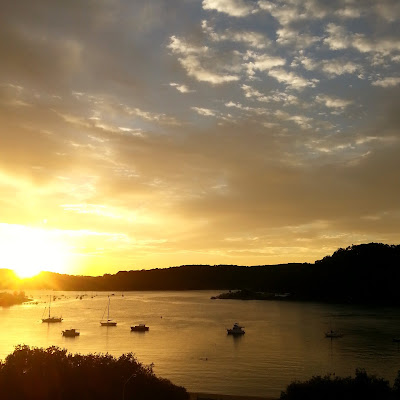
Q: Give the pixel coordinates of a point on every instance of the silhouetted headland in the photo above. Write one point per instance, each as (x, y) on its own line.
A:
(365, 273)
(11, 299)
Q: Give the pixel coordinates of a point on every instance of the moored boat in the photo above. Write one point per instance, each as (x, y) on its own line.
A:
(49, 318)
(236, 330)
(140, 328)
(333, 334)
(70, 332)
(108, 321)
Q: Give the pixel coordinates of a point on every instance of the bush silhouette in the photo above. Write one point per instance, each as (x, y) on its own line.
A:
(52, 373)
(362, 386)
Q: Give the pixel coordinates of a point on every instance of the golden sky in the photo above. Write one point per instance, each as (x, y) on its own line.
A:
(151, 134)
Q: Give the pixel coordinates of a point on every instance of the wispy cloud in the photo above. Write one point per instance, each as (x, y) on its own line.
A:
(261, 62)
(192, 58)
(181, 88)
(291, 79)
(333, 102)
(253, 39)
(387, 82)
(234, 8)
(339, 38)
(205, 111)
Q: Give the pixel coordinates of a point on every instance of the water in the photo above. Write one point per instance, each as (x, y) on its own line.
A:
(188, 344)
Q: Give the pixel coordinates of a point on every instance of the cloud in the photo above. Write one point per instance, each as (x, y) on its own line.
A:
(179, 46)
(291, 37)
(253, 39)
(262, 112)
(192, 58)
(289, 11)
(337, 67)
(193, 67)
(251, 92)
(261, 62)
(387, 82)
(333, 102)
(339, 38)
(234, 8)
(181, 88)
(332, 68)
(291, 79)
(204, 111)
(300, 120)
(349, 12)
(275, 96)
(388, 10)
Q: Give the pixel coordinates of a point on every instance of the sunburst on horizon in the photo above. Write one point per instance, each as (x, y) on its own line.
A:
(29, 251)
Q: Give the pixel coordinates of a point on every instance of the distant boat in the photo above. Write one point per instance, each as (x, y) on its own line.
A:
(140, 328)
(333, 334)
(108, 322)
(51, 319)
(236, 330)
(396, 339)
(70, 333)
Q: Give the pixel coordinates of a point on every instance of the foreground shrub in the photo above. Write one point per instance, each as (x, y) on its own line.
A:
(41, 374)
(362, 386)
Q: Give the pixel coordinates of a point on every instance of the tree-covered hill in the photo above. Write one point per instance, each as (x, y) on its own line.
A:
(365, 273)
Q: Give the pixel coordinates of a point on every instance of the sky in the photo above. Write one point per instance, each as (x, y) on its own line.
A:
(137, 135)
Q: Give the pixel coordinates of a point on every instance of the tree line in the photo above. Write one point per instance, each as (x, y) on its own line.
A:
(365, 273)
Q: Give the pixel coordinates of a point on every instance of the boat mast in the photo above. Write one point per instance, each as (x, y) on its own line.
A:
(108, 311)
(49, 305)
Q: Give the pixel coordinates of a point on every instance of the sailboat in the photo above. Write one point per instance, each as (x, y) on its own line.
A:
(108, 322)
(50, 318)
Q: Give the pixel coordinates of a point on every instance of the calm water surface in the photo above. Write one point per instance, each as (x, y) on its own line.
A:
(188, 344)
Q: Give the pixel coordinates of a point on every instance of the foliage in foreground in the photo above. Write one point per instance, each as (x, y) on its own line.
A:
(37, 373)
(362, 386)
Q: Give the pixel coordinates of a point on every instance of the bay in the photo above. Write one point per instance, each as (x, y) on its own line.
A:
(188, 344)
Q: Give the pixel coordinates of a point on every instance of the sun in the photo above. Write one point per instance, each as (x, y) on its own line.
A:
(29, 251)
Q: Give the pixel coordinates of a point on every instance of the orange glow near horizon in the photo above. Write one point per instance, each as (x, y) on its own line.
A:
(29, 251)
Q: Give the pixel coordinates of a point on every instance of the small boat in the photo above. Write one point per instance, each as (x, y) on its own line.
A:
(139, 328)
(108, 321)
(333, 334)
(396, 340)
(70, 333)
(51, 319)
(236, 330)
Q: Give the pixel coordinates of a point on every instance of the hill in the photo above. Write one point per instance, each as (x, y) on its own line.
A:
(365, 273)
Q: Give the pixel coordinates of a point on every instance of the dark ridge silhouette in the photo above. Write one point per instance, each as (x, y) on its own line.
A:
(49, 374)
(365, 273)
